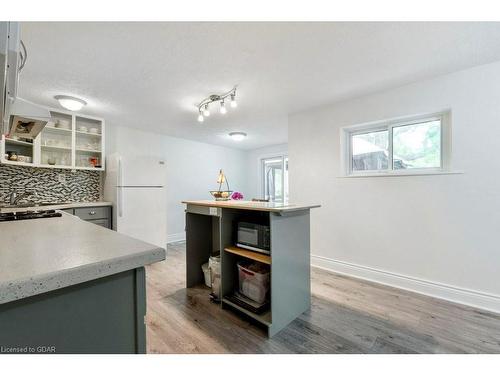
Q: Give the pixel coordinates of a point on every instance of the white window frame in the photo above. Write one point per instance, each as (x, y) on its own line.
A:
(262, 172)
(389, 125)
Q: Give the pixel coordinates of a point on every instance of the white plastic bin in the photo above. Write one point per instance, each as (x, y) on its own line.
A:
(207, 274)
(214, 265)
(254, 280)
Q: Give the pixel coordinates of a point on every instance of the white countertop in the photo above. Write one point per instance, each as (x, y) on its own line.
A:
(55, 206)
(40, 255)
(255, 206)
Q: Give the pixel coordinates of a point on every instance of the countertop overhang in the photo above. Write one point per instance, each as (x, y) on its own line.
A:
(255, 206)
(41, 255)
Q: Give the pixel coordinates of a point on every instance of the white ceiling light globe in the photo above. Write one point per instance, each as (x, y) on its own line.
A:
(238, 136)
(70, 103)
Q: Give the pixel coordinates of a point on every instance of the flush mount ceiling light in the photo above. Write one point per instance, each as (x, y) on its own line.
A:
(70, 102)
(203, 107)
(238, 136)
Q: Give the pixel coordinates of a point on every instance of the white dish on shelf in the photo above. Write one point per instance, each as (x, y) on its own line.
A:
(94, 131)
(62, 123)
(83, 129)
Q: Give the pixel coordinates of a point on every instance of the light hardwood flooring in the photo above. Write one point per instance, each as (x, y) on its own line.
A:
(347, 316)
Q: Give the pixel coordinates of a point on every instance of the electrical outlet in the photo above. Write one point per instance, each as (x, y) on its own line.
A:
(61, 177)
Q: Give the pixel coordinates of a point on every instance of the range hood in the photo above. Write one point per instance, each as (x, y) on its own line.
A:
(18, 117)
(27, 119)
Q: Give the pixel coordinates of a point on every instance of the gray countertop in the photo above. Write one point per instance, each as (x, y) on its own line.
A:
(40, 255)
(55, 206)
(253, 206)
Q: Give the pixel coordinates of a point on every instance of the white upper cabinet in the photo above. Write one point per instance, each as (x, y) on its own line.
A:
(68, 141)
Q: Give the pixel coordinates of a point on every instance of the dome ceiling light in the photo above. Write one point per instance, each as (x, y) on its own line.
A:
(70, 102)
(238, 136)
(203, 107)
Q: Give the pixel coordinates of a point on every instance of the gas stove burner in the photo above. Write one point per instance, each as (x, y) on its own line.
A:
(26, 215)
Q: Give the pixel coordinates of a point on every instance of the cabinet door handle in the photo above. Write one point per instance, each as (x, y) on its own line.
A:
(92, 213)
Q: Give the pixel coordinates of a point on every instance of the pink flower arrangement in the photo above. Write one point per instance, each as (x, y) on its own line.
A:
(237, 196)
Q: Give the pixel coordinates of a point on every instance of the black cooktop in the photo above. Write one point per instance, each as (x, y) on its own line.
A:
(26, 215)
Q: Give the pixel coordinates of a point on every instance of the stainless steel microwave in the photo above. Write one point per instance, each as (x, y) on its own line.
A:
(254, 237)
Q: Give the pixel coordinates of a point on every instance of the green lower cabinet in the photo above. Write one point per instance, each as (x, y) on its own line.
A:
(99, 316)
(100, 215)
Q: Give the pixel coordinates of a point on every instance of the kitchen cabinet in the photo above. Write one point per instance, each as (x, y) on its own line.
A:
(86, 295)
(95, 215)
(210, 231)
(68, 141)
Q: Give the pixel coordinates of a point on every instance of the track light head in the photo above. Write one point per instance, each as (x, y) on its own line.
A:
(223, 109)
(206, 112)
(234, 104)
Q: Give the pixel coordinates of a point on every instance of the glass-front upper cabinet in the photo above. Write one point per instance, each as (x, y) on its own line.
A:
(57, 140)
(88, 142)
(68, 141)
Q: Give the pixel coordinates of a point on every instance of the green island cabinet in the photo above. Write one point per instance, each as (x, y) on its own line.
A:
(211, 230)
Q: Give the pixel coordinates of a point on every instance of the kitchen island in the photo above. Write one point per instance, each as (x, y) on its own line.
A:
(69, 286)
(211, 230)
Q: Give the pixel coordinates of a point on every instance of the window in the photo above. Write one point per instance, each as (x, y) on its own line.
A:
(398, 146)
(275, 178)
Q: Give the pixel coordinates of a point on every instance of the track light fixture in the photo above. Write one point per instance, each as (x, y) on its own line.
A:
(203, 109)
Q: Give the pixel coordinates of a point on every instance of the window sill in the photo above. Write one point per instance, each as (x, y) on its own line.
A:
(401, 174)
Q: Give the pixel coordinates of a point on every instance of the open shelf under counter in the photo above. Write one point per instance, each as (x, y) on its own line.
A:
(264, 318)
(259, 257)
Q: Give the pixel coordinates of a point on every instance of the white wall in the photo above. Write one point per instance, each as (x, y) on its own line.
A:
(254, 168)
(437, 235)
(192, 167)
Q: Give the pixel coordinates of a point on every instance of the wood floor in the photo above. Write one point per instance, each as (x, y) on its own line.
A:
(347, 316)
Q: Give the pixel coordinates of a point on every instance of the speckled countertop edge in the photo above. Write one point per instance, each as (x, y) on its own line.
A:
(19, 289)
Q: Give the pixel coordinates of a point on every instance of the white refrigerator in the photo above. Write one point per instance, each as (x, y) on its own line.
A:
(137, 188)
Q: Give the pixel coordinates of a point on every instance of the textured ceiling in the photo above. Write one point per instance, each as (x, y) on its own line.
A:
(151, 75)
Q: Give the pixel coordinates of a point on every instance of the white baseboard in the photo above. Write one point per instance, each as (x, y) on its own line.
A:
(176, 237)
(463, 296)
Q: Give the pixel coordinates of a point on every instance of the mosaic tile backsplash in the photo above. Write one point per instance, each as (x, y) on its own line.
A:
(51, 185)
